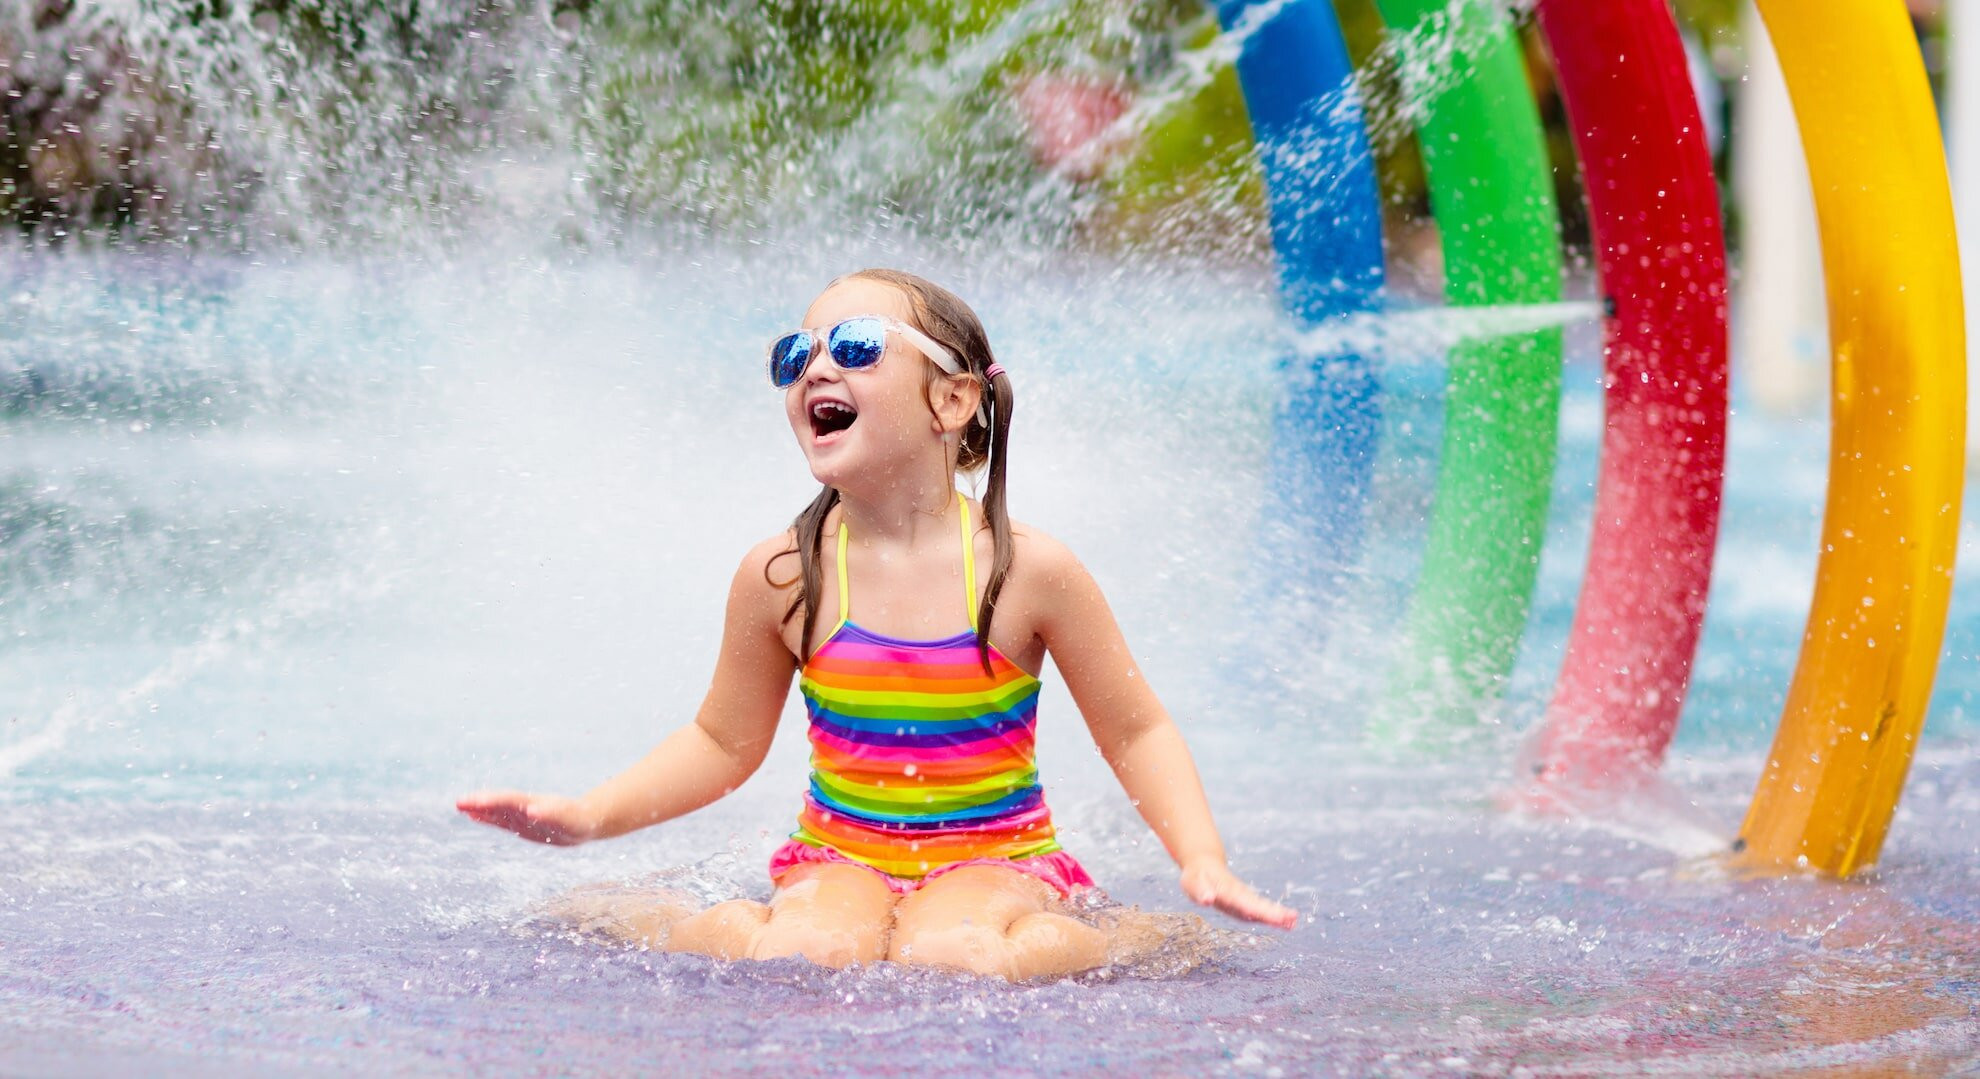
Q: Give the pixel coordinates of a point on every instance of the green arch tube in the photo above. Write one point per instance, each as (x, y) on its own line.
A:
(1491, 186)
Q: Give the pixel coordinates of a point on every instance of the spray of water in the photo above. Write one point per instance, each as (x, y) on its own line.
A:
(345, 124)
(223, 639)
(1385, 99)
(1433, 331)
(331, 124)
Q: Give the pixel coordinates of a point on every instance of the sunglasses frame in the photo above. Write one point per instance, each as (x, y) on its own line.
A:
(821, 340)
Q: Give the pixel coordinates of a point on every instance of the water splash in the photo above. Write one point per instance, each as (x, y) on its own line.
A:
(1432, 331)
(1192, 73)
(223, 639)
(1384, 100)
(330, 124)
(348, 125)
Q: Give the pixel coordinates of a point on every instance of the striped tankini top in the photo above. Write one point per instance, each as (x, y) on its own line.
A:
(919, 758)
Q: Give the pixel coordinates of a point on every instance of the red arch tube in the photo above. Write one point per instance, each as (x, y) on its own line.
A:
(1660, 246)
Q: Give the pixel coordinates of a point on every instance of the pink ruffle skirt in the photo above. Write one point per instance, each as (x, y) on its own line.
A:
(1060, 870)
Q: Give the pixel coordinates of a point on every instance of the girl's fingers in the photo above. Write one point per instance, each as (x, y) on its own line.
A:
(514, 818)
(1224, 891)
(1256, 908)
(486, 801)
(506, 814)
(520, 813)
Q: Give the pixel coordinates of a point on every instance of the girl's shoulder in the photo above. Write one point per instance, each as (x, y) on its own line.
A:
(773, 550)
(1037, 557)
(770, 568)
(1048, 590)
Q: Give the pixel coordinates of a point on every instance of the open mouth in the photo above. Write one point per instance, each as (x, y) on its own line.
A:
(831, 417)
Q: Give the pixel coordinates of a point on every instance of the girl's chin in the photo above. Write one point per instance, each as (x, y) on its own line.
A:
(843, 466)
(829, 462)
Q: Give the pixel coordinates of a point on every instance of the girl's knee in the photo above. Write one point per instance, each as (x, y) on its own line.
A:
(1053, 943)
(724, 931)
(745, 929)
(835, 946)
(1049, 930)
(978, 949)
(1033, 946)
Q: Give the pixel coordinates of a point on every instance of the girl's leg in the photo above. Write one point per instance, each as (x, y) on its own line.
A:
(987, 919)
(625, 912)
(830, 914)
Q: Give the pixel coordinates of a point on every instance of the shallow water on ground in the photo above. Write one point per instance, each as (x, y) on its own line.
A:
(290, 555)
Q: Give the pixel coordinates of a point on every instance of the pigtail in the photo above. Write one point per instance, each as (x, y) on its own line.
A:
(995, 506)
(810, 528)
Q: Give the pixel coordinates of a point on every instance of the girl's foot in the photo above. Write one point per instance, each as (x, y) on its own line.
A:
(620, 912)
(1155, 945)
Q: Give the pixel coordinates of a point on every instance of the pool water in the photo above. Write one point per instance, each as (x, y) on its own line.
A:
(293, 553)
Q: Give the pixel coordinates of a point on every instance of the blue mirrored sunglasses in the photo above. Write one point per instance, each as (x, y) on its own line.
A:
(854, 344)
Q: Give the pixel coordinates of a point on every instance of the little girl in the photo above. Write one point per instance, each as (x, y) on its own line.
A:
(924, 837)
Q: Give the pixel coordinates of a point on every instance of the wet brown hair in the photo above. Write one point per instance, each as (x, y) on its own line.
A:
(944, 316)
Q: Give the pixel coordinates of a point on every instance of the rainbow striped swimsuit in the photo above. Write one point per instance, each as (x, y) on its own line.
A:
(920, 761)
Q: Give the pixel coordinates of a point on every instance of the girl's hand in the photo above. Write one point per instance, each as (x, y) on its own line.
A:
(543, 818)
(1214, 885)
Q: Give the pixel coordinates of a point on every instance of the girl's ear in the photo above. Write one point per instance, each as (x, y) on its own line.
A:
(953, 399)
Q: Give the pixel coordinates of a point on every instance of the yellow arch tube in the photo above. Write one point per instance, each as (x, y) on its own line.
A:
(1897, 447)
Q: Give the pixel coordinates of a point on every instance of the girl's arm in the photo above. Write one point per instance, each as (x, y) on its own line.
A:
(698, 763)
(1135, 734)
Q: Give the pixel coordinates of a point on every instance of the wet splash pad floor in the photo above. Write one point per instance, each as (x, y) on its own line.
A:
(430, 537)
(1437, 937)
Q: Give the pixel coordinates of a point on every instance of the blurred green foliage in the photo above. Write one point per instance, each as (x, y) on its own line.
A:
(182, 115)
(718, 108)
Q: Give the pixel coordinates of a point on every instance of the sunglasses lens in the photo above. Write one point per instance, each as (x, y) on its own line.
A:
(788, 358)
(858, 343)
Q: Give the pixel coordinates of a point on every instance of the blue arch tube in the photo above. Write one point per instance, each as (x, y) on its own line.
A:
(1326, 216)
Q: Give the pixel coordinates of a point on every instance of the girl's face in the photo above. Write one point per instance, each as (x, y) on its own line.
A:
(874, 422)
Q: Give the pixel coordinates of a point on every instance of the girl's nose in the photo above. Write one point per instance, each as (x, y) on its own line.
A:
(820, 368)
